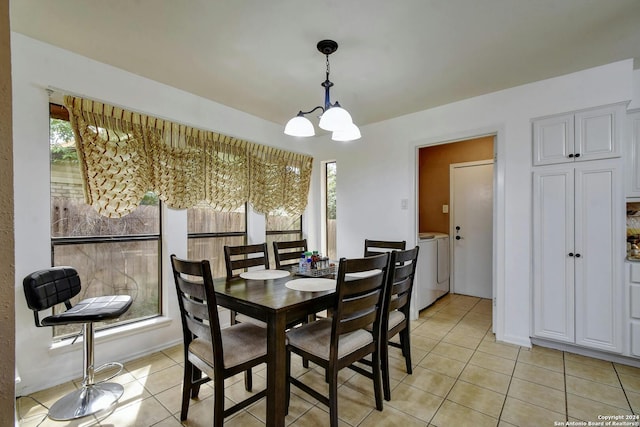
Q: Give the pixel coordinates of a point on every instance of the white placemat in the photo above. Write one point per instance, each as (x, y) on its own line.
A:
(362, 274)
(312, 284)
(264, 274)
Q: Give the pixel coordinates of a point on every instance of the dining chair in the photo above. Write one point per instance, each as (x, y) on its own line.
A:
(44, 289)
(237, 259)
(395, 319)
(287, 254)
(219, 353)
(374, 247)
(337, 342)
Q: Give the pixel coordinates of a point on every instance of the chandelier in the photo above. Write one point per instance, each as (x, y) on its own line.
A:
(334, 118)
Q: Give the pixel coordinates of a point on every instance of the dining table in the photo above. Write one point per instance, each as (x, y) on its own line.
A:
(271, 301)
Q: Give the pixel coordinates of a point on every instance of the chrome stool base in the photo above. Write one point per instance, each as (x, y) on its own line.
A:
(86, 401)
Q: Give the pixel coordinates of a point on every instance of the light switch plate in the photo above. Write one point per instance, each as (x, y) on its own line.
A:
(445, 208)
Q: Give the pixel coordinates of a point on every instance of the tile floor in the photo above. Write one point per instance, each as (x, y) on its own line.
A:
(461, 377)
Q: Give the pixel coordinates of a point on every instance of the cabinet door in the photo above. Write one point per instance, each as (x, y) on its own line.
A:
(553, 140)
(596, 133)
(598, 255)
(553, 240)
(633, 154)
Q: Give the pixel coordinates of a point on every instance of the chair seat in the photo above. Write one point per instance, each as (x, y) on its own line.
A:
(91, 310)
(315, 338)
(245, 341)
(395, 318)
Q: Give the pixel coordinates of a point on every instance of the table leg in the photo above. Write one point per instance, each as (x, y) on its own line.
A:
(276, 370)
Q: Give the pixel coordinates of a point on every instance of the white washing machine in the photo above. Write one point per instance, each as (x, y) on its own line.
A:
(432, 273)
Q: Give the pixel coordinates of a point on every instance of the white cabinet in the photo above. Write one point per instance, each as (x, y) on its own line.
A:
(582, 135)
(578, 253)
(633, 283)
(633, 154)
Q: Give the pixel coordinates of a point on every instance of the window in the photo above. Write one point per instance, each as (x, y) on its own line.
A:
(282, 227)
(330, 209)
(112, 255)
(210, 230)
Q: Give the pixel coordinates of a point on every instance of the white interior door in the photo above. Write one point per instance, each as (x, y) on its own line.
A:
(472, 228)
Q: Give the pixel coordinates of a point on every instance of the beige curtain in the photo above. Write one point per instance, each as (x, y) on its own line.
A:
(125, 154)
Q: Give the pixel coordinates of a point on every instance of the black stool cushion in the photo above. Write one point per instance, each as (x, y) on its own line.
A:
(91, 310)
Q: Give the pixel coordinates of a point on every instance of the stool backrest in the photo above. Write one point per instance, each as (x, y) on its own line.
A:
(46, 288)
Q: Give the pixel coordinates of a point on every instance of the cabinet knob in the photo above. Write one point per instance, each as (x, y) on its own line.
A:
(577, 154)
(577, 255)
(570, 253)
(458, 237)
(570, 156)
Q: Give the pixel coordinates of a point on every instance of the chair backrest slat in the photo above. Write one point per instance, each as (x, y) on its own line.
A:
(245, 256)
(359, 299)
(375, 247)
(401, 277)
(288, 253)
(197, 301)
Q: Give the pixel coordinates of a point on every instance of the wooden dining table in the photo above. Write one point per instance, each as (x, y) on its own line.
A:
(278, 306)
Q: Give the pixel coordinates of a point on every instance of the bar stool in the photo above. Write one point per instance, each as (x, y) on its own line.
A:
(44, 289)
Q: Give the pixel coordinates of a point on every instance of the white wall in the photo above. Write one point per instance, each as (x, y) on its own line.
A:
(374, 175)
(378, 171)
(36, 66)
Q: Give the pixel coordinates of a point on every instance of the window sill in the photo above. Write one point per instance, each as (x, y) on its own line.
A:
(112, 334)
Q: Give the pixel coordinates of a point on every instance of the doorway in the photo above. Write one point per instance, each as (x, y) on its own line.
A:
(472, 228)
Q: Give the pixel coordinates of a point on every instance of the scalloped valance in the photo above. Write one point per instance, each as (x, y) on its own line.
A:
(124, 154)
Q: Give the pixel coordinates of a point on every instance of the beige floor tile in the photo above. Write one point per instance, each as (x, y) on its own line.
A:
(353, 406)
(176, 353)
(243, 419)
(486, 378)
(316, 417)
(634, 401)
(462, 339)
(391, 417)
(431, 381)
(603, 373)
(162, 380)
(237, 393)
(495, 363)
(507, 351)
(168, 422)
(422, 342)
(538, 375)
(452, 414)
(147, 365)
(630, 383)
(442, 364)
(536, 394)
(172, 398)
(588, 410)
(453, 351)
(522, 413)
(613, 396)
(627, 370)
(298, 405)
(416, 402)
(543, 359)
(141, 413)
(578, 358)
(478, 398)
(49, 396)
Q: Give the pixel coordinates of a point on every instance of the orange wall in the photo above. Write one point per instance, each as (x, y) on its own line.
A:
(433, 184)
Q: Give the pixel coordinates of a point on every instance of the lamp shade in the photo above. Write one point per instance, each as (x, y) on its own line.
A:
(335, 118)
(299, 126)
(351, 133)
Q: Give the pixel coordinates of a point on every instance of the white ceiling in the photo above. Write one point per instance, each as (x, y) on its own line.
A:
(394, 57)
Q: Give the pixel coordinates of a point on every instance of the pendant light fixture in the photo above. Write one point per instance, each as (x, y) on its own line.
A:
(334, 118)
